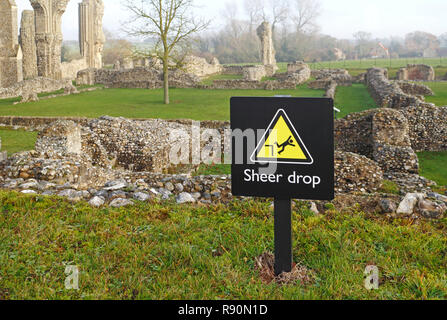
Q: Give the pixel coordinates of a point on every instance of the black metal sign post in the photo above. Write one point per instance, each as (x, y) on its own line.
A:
(283, 148)
(283, 236)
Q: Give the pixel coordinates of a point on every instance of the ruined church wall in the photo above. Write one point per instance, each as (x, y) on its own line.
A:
(69, 70)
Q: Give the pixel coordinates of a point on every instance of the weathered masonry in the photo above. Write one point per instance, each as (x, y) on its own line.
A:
(10, 51)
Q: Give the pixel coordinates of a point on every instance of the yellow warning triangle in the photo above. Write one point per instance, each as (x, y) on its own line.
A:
(282, 143)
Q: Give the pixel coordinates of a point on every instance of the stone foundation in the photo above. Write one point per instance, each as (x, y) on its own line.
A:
(140, 77)
(388, 94)
(381, 135)
(419, 72)
(29, 89)
(415, 89)
(69, 70)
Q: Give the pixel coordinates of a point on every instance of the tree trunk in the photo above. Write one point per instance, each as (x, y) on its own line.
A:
(166, 80)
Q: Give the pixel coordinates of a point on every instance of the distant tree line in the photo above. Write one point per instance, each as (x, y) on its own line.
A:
(297, 36)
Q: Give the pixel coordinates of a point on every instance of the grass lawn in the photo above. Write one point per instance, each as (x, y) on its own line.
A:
(382, 63)
(17, 140)
(434, 166)
(440, 90)
(141, 103)
(353, 99)
(185, 103)
(154, 251)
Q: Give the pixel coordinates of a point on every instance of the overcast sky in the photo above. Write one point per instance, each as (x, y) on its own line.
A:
(340, 18)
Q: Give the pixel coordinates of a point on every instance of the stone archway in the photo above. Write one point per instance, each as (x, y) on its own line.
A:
(48, 20)
(48, 15)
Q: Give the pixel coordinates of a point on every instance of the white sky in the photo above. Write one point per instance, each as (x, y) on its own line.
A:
(340, 18)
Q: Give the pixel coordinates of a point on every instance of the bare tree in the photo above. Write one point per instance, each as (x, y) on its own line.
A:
(419, 41)
(306, 13)
(255, 12)
(364, 43)
(170, 22)
(279, 12)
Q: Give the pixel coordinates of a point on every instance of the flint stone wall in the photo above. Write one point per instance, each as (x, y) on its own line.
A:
(255, 73)
(70, 69)
(140, 77)
(235, 70)
(420, 72)
(415, 89)
(28, 89)
(353, 173)
(381, 135)
(200, 67)
(428, 127)
(388, 94)
(109, 142)
(297, 72)
(252, 85)
(341, 75)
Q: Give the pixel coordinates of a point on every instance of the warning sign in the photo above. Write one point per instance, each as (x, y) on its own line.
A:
(282, 147)
(282, 143)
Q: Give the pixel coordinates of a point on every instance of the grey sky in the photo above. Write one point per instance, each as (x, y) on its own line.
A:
(340, 18)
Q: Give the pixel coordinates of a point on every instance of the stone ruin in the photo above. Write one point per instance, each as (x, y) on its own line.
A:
(10, 51)
(139, 77)
(338, 54)
(28, 44)
(268, 52)
(41, 41)
(91, 35)
(418, 72)
(29, 89)
(190, 64)
(146, 72)
(427, 125)
(48, 16)
(330, 79)
(117, 161)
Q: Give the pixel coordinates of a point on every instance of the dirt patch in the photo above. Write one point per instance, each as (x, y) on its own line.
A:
(264, 264)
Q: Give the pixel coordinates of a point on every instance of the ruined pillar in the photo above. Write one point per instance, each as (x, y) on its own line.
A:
(28, 44)
(268, 53)
(91, 35)
(48, 17)
(10, 52)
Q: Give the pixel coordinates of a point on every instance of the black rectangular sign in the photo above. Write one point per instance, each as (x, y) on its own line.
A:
(283, 147)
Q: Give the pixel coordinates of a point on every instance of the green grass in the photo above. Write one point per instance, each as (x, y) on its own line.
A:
(17, 140)
(141, 103)
(353, 99)
(214, 169)
(389, 187)
(154, 251)
(382, 63)
(440, 90)
(185, 103)
(434, 166)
